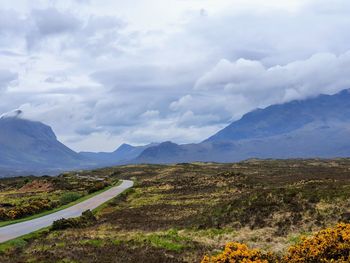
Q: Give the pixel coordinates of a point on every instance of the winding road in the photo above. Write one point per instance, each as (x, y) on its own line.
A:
(16, 230)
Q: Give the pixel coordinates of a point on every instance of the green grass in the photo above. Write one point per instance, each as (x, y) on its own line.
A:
(170, 240)
(297, 238)
(22, 241)
(10, 222)
(92, 242)
(119, 197)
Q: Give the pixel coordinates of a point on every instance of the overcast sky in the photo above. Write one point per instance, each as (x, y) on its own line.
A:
(105, 72)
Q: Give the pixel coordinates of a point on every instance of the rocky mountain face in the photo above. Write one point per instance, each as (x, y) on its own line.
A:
(123, 154)
(32, 147)
(315, 127)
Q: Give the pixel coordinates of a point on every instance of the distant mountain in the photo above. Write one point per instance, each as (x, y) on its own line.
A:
(315, 127)
(123, 154)
(29, 146)
(288, 117)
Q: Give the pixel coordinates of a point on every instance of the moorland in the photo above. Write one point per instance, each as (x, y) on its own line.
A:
(182, 212)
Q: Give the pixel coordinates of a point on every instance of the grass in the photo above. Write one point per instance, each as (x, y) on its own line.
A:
(110, 202)
(10, 222)
(170, 240)
(22, 241)
(92, 242)
(178, 213)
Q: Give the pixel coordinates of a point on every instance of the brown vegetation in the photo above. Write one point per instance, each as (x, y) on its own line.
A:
(178, 213)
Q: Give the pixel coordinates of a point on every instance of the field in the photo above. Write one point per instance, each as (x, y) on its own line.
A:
(179, 213)
(21, 197)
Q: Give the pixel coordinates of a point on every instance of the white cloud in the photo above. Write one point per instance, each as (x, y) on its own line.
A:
(322, 73)
(6, 77)
(104, 72)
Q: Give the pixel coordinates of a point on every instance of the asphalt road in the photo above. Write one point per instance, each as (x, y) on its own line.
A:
(16, 230)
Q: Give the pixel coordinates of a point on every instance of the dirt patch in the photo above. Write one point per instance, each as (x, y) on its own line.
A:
(37, 186)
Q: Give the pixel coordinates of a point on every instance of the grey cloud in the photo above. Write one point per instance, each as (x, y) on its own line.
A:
(6, 77)
(56, 79)
(274, 37)
(10, 22)
(101, 77)
(260, 86)
(9, 53)
(51, 21)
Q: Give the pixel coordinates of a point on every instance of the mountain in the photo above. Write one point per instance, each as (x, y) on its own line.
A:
(123, 154)
(30, 146)
(288, 117)
(314, 127)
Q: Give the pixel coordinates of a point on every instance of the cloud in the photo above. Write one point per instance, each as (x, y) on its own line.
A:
(324, 73)
(103, 74)
(50, 21)
(6, 77)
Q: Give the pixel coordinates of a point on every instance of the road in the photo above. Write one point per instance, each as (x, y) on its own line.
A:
(16, 230)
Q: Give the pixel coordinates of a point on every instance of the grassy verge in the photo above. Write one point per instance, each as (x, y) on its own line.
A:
(10, 222)
(22, 240)
(121, 196)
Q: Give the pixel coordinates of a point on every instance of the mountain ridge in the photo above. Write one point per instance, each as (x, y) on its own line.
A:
(314, 127)
(33, 146)
(300, 128)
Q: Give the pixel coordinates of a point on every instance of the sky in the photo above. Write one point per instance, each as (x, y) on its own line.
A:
(106, 72)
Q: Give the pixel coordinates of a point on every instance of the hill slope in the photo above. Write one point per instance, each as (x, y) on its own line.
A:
(32, 146)
(123, 154)
(316, 127)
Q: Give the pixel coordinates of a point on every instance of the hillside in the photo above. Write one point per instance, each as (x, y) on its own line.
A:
(123, 154)
(315, 127)
(33, 147)
(179, 213)
(285, 118)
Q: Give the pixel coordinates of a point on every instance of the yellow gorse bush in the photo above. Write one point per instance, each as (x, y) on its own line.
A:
(236, 252)
(328, 245)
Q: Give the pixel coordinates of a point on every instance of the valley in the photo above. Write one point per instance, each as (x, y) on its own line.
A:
(178, 131)
(26, 197)
(182, 212)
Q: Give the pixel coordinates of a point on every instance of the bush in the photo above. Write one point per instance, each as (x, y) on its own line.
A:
(329, 245)
(236, 252)
(69, 197)
(26, 209)
(97, 187)
(86, 219)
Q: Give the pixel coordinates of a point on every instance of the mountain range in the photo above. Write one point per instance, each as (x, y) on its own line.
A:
(30, 146)
(314, 127)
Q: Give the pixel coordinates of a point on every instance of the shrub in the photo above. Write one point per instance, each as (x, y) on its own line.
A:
(26, 209)
(69, 197)
(86, 219)
(236, 252)
(328, 245)
(97, 186)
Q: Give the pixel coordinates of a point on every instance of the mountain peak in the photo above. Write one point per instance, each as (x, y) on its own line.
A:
(124, 147)
(12, 114)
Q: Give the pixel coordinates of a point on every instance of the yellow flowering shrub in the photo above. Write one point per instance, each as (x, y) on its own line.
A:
(328, 245)
(236, 252)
